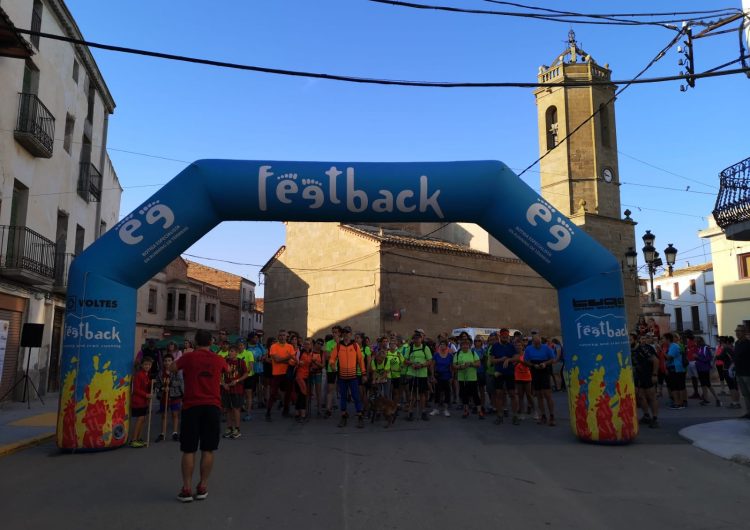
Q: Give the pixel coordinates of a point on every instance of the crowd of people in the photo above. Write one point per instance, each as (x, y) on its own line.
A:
(507, 376)
(670, 359)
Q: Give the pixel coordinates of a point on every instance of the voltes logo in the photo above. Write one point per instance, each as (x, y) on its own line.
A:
(561, 230)
(288, 185)
(610, 326)
(74, 302)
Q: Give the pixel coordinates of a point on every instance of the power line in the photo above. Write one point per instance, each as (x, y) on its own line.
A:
(376, 81)
(663, 14)
(561, 16)
(666, 170)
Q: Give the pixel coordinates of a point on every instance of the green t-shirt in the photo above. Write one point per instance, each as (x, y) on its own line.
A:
(470, 372)
(396, 361)
(380, 370)
(366, 353)
(423, 355)
(249, 358)
(330, 345)
(223, 353)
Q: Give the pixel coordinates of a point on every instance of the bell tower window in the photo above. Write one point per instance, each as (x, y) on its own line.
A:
(551, 127)
(604, 125)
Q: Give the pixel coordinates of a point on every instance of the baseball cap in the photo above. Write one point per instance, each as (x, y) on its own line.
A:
(420, 331)
(346, 329)
(505, 332)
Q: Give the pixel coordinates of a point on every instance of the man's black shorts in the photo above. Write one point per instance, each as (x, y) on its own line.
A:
(704, 378)
(200, 425)
(137, 412)
(395, 382)
(540, 378)
(232, 401)
(331, 378)
(251, 383)
(644, 381)
(677, 380)
(420, 383)
(481, 379)
(504, 382)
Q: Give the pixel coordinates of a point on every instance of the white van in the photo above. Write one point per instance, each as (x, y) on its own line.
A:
(482, 333)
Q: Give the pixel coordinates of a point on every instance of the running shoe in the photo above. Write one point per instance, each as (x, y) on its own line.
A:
(185, 495)
(425, 417)
(718, 403)
(247, 417)
(551, 420)
(268, 416)
(645, 420)
(201, 492)
(542, 420)
(704, 402)
(137, 444)
(360, 421)
(342, 422)
(160, 438)
(499, 420)
(446, 413)
(654, 423)
(175, 437)
(675, 407)
(227, 433)
(434, 412)
(516, 420)
(235, 434)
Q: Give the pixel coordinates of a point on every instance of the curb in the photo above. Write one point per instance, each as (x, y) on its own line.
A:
(20, 445)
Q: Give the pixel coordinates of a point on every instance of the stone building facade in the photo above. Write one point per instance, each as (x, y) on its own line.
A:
(383, 278)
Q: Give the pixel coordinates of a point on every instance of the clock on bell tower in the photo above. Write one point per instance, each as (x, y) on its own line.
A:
(580, 175)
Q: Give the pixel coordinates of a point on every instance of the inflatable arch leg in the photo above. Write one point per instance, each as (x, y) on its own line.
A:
(99, 341)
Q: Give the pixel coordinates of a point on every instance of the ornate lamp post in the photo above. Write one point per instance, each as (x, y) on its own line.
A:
(652, 259)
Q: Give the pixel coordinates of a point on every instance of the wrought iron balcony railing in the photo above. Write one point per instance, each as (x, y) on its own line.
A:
(732, 210)
(89, 183)
(35, 129)
(26, 255)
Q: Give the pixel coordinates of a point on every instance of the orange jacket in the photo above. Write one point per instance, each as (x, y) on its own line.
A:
(349, 356)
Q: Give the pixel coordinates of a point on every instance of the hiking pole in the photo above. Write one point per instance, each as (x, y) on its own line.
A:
(150, 408)
(165, 390)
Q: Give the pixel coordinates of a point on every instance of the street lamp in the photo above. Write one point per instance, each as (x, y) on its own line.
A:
(652, 259)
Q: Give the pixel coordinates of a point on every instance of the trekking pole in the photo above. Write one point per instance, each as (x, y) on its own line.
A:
(165, 400)
(150, 407)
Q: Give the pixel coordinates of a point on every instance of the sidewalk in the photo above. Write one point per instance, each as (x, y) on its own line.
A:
(21, 426)
(729, 439)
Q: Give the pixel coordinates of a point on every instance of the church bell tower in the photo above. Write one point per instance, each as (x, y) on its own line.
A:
(580, 175)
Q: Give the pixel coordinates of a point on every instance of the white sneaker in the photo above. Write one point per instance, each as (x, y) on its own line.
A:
(434, 412)
(446, 413)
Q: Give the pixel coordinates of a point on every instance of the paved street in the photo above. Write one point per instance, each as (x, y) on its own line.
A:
(446, 473)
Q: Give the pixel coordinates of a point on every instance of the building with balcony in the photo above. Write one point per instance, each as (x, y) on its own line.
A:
(58, 191)
(731, 262)
(236, 296)
(187, 296)
(172, 305)
(688, 297)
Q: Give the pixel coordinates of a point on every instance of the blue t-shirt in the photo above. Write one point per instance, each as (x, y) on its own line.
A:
(503, 351)
(674, 358)
(480, 353)
(538, 355)
(443, 366)
(258, 351)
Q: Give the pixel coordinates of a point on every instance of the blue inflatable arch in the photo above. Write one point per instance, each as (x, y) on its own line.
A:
(99, 341)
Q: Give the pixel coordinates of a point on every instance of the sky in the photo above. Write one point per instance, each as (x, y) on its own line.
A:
(170, 113)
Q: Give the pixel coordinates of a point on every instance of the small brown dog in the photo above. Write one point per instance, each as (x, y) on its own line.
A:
(386, 407)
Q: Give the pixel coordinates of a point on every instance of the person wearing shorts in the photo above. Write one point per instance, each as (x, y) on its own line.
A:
(646, 368)
(418, 361)
(201, 413)
(396, 361)
(503, 356)
(331, 370)
(540, 357)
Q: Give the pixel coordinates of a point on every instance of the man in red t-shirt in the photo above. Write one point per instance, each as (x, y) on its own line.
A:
(201, 412)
